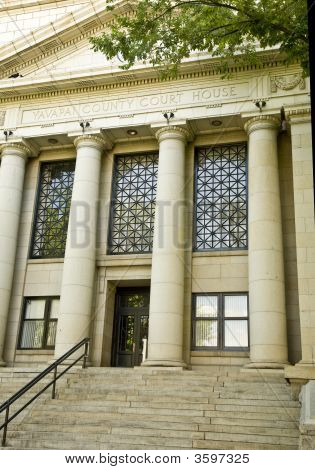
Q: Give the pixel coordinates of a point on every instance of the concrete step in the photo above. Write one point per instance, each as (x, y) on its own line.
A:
(105, 433)
(261, 423)
(138, 395)
(95, 406)
(253, 438)
(147, 427)
(148, 408)
(284, 411)
(26, 441)
(212, 440)
(293, 415)
(149, 414)
(169, 400)
(228, 445)
(254, 429)
(270, 395)
(34, 424)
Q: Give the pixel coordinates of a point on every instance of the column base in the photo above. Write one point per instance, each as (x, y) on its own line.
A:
(163, 363)
(266, 365)
(2, 363)
(305, 364)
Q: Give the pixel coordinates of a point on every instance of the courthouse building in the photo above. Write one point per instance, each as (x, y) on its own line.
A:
(133, 208)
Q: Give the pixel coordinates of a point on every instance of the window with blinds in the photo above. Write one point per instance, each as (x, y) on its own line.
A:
(220, 321)
(39, 324)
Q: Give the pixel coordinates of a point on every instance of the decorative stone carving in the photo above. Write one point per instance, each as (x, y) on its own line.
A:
(20, 148)
(287, 82)
(263, 121)
(2, 116)
(174, 132)
(90, 140)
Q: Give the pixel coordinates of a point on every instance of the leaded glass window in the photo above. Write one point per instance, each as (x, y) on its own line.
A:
(133, 204)
(52, 215)
(220, 321)
(221, 198)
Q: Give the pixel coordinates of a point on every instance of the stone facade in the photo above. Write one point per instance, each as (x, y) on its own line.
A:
(62, 85)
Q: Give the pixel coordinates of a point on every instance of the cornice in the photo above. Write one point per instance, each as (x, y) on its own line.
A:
(7, 68)
(49, 39)
(299, 115)
(8, 5)
(262, 122)
(120, 80)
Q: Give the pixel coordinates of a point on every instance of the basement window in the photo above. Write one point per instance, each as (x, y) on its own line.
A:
(39, 325)
(220, 322)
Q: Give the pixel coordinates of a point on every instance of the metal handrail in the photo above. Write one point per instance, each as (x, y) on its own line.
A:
(52, 368)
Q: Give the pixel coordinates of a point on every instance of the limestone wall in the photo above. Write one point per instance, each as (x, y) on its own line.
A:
(32, 277)
(205, 272)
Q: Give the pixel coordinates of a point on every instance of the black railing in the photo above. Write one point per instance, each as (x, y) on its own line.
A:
(5, 407)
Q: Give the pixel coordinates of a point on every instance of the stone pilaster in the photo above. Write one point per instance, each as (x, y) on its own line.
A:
(79, 264)
(12, 171)
(268, 336)
(165, 340)
(301, 135)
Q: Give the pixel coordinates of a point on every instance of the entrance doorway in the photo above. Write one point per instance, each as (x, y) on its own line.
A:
(131, 326)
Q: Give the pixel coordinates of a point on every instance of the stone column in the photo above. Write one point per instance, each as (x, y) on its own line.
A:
(268, 336)
(79, 264)
(12, 170)
(165, 339)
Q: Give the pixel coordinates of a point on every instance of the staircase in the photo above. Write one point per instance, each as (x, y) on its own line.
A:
(144, 408)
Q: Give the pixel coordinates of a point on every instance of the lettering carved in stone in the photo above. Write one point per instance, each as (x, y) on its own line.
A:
(127, 106)
(287, 82)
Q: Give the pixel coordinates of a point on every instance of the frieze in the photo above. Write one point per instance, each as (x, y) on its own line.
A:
(2, 116)
(287, 82)
(126, 116)
(137, 104)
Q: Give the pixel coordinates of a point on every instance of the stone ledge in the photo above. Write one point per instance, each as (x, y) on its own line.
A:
(299, 372)
(219, 353)
(297, 376)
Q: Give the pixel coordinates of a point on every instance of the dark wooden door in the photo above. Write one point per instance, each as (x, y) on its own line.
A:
(131, 326)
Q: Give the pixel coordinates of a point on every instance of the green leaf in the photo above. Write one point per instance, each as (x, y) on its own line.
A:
(164, 32)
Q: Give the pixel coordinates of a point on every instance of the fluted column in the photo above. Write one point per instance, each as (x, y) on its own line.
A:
(12, 171)
(268, 336)
(165, 339)
(80, 255)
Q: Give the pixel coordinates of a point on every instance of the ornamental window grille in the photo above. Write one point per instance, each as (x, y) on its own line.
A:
(221, 197)
(53, 208)
(133, 204)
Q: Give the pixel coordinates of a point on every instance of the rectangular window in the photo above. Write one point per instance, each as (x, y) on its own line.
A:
(53, 208)
(221, 197)
(133, 204)
(39, 325)
(220, 321)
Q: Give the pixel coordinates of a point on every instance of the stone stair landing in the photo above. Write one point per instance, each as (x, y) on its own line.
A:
(146, 408)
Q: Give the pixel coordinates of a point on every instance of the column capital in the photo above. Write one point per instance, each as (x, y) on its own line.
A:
(20, 148)
(172, 132)
(262, 122)
(92, 140)
(299, 115)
